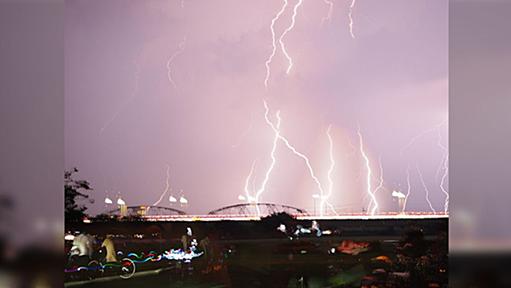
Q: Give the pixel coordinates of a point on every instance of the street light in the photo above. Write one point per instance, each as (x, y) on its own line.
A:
(400, 200)
(242, 198)
(172, 199)
(123, 210)
(108, 201)
(120, 202)
(183, 200)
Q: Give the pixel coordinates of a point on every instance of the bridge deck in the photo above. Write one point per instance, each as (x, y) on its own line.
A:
(351, 216)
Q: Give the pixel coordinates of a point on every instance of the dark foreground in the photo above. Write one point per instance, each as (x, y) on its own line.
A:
(355, 253)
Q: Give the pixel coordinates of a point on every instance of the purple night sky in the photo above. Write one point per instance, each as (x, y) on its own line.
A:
(125, 121)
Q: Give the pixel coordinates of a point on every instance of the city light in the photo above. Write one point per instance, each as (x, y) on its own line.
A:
(108, 201)
(120, 202)
(183, 200)
(172, 199)
(398, 194)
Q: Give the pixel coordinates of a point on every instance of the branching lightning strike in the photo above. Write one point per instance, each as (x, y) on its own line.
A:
(328, 16)
(281, 39)
(418, 136)
(425, 189)
(409, 188)
(181, 48)
(380, 183)
(167, 187)
(249, 197)
(369, 174)
(350, 16)
(445, 166)
(278, 136)
(275, 128)
(274, 44)
(266, 178)
(324, 199)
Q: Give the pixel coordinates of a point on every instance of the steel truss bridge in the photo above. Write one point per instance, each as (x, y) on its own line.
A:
(260, 209)
(147, 211)
(253, 211)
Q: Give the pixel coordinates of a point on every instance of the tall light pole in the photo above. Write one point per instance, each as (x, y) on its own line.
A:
(122, 207)
(108, 201)
(183, 201)
(400, 200)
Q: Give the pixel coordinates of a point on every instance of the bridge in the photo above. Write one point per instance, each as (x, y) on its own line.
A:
(254, 212)
(145, 211)
(260, 209)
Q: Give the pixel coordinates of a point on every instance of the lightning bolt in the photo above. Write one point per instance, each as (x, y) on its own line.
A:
(279, 137)
(328, 17)
(324, 199)
(369, 173)
(281, 39)
(167, 186)
(418, 136)
(123, 106)
(266, 178)
(181, 48)
(247, 183)
(275, 128)
(380, 183)
(350, 16)
(445, 166)
(425, 188)
(409, 188)
(274, 44)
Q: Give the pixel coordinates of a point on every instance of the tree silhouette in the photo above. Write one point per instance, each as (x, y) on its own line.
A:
(74, 190)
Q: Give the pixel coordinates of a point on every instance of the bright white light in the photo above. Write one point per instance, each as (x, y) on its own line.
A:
(108, 201)
(315, 196)
(172, 199)
(120, 202)
(242, 198)
(183, 200)
(398, 194)
(69, 237)
(86, 221)
(180, 255)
